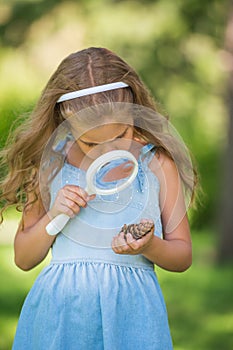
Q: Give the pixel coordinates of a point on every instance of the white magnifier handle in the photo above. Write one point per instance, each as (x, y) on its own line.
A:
(57, 224)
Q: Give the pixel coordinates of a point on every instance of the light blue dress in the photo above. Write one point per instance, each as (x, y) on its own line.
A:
(88, 297)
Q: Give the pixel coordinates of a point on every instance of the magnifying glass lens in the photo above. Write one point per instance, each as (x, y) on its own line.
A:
(114, 171)
(111, 172)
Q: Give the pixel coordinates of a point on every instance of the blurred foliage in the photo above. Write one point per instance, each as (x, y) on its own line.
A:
(176, 46)
(199, 309)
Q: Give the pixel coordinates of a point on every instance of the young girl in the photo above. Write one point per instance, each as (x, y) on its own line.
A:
(94, 295)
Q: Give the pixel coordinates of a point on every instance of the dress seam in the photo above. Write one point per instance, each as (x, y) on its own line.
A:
(99, 261)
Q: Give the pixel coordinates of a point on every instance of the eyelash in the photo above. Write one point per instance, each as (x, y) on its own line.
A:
(94, 144)
(90, 144)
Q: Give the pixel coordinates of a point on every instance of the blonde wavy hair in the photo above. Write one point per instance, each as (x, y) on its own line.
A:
(20, 159)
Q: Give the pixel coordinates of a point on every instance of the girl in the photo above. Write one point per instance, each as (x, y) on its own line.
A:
(95, 296)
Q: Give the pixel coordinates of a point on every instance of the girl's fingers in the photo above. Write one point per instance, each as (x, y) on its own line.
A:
(76, 190)
(68, 211)
(77, 194)
(70, 205)
(69, 200)
(81, 192)
(119, 244)
(72, 196)
(129, 245)
(133, 243)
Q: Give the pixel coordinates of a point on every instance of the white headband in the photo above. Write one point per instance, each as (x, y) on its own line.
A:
(91, 90)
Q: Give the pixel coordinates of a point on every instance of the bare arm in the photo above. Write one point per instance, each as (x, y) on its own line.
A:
(32, 243)
(174, 252)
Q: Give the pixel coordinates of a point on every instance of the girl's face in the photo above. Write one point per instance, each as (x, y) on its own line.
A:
(105, 138)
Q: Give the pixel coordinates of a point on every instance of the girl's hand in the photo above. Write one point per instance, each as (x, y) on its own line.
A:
(69, 200)
(129, 245)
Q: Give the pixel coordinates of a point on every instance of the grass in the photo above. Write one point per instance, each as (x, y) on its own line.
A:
(199, 301)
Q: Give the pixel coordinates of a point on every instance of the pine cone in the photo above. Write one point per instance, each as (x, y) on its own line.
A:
(137, 230)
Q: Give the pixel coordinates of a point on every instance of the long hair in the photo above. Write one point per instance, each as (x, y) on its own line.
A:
(90, 67)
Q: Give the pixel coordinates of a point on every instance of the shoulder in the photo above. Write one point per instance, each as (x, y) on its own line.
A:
(163, 167)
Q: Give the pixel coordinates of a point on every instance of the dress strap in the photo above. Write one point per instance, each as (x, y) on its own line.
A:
(60, 147)
(146, 154)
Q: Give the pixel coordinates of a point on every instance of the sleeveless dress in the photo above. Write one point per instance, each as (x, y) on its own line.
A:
(88, 297)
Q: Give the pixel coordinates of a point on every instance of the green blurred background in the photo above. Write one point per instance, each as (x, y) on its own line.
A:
(178, 48)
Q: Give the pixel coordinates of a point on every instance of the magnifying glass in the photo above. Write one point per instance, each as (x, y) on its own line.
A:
(110, 173)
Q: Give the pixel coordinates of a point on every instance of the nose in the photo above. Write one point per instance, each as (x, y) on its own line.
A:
(107, 147)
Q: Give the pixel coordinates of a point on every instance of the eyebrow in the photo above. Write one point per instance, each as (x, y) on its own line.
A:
(96, 143)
